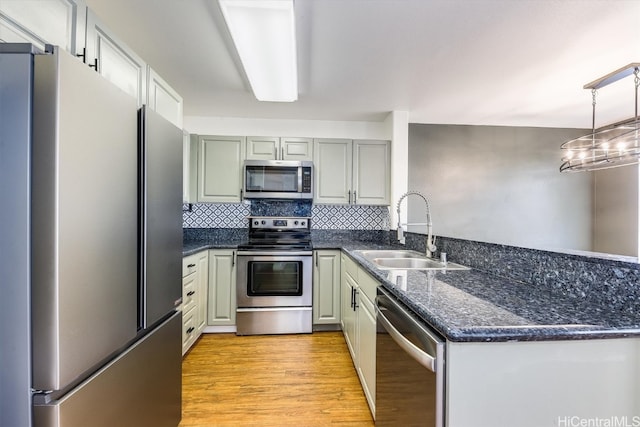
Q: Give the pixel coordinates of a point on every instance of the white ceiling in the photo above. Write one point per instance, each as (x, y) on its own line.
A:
(483, 62)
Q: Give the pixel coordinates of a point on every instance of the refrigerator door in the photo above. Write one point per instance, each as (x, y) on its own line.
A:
(85, 220)
(16, 76)
(140, 388)
(161, 149)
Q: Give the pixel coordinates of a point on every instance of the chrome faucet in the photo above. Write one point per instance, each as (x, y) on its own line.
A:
(431, 240)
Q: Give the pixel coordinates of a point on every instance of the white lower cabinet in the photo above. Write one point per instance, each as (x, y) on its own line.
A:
(326, 287)
(195, 278)
(359, 324)
(222, 288)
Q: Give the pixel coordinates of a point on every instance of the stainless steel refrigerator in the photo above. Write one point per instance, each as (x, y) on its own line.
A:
(90, 249)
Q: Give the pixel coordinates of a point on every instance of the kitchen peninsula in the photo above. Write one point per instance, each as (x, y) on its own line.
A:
(518, 352)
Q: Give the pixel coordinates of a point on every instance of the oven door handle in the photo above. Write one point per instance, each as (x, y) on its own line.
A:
(254, 309)
(274, 253)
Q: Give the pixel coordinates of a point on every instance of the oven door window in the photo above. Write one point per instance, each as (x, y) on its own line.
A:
(272, 179)
(274, 278)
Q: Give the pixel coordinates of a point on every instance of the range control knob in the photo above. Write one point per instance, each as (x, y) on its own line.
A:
(302, 223)
(256, 222)
(263, 222)
(295, 222)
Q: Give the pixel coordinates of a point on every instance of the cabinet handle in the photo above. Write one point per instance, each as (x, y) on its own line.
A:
(354, 197)
(281, 153)
(316, 258)
(190, 293)
(349, 193)
(191, 329)
(83, 55)
(352, 297)
(355, 300)
(95, 65)
(233, 258)
(191, 265)
(241, 194)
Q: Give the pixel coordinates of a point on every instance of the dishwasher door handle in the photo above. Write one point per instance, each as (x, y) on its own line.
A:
(420, 356)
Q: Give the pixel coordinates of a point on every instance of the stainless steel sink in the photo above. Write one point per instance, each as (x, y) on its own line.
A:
(390, 253)
(415, 264)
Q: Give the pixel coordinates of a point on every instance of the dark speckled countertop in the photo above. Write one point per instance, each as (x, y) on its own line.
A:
(474, 306)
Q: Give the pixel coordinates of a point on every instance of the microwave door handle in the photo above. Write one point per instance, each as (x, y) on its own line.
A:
(300, 180)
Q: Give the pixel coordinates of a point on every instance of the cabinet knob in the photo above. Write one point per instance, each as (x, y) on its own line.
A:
(191, 265)
(190, 293)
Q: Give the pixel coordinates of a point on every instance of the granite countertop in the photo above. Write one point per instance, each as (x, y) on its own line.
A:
(474, 306)
(471, 305)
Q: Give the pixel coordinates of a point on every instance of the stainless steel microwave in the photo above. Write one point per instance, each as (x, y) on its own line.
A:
(278, 179)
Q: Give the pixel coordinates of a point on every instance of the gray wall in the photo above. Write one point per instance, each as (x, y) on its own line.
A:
(500, 185)
(615, 225)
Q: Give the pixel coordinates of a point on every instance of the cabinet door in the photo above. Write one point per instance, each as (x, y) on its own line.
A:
(163, 99)
(115, 60)
(189, 168)
(221, 307)
(349, 287)
(220, 168)
(371, 172)
(326, 287)
(367, 349)
(56, 22)
(332, 164)
(202, 286)
(263, 148)
(296, 149)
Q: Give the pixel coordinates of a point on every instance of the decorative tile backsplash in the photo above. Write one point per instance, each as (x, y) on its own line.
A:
(215, 215)
(328, 217)
(350, 217)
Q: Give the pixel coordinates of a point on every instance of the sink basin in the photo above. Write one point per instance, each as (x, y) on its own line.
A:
(415, 264)
(390, 253)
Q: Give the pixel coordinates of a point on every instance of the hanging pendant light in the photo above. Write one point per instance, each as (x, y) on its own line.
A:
(609, 147)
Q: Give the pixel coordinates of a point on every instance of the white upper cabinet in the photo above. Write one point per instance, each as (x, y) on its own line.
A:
(263, 148)
(274, 148)
(352, 172)
(40, 22)
(189, 167)
(332, 171)
(114, 60)
(163, 99)
(220, 160)
(371, 172)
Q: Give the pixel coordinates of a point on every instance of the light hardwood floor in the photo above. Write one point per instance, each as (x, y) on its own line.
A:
(272, 380)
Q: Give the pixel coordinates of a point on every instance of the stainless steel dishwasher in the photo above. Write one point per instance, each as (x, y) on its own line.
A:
(409, 368)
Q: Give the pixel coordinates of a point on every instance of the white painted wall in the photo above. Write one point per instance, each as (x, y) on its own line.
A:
(289, 128)
(500, 185)
(398, 123)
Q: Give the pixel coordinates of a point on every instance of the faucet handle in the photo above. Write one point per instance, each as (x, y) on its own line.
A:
(432, 244)
(400, 234)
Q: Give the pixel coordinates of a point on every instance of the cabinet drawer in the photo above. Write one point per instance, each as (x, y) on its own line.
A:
(368, 284)
(188, 326)
(189, 292)
(189, 265)
(350, 267)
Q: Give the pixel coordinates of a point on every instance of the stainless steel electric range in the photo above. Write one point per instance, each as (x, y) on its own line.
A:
(274, 277)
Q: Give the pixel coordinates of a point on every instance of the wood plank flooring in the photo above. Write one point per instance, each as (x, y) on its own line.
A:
(273, 380)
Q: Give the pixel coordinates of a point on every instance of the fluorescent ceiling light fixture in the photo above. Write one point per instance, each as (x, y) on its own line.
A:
(264, 34)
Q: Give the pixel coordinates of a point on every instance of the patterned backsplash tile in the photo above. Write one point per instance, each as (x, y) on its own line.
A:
(216, 215)
(350, 217)
(327, 217)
